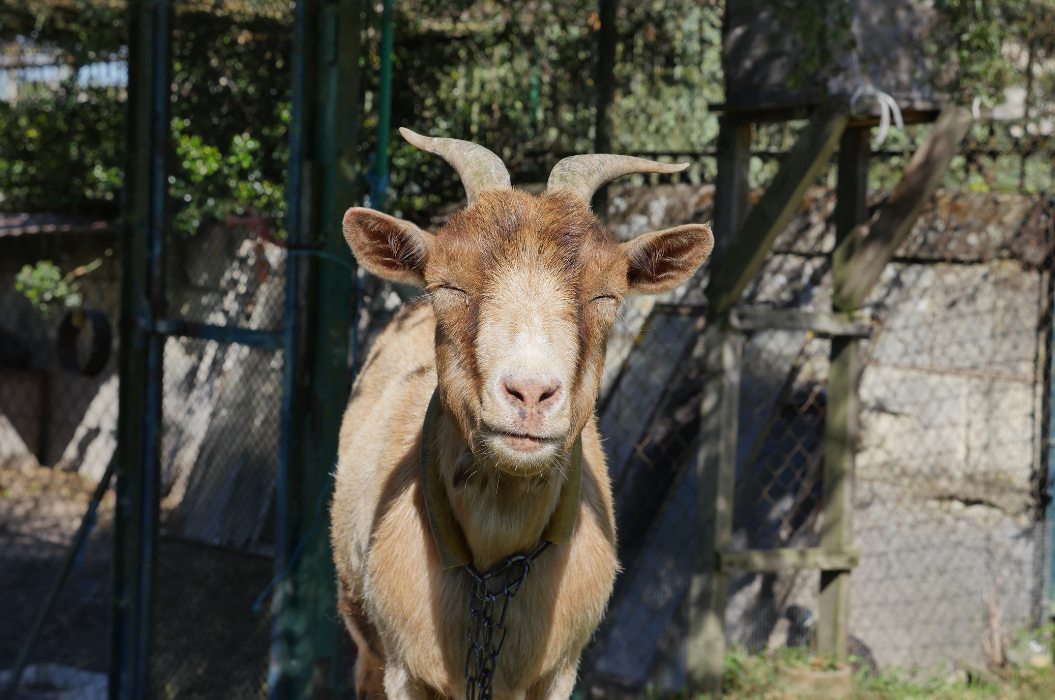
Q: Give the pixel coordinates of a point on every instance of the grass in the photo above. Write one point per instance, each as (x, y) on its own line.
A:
(752, 677)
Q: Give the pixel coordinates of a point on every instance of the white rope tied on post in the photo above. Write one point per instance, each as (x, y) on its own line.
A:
(888, 107)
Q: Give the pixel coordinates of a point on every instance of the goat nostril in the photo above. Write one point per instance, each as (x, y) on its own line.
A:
(531, 394)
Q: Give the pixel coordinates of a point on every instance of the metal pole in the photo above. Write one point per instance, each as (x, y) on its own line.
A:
(602, 143)
(140, 360)
(379, 186)
(318, 317)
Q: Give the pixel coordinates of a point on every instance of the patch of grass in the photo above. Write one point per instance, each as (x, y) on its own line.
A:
(753, 677)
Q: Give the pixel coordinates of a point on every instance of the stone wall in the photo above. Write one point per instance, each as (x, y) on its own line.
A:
(949, 450)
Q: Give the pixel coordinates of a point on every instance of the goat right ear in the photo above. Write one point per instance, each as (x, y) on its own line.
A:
(393, 249)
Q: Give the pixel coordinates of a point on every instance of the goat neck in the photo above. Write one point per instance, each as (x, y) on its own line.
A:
(499, 514)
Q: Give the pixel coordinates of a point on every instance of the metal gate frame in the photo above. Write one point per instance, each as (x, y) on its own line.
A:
(319, 309)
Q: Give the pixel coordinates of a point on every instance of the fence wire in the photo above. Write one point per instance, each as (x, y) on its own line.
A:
(951, 454)
(220, 402)
(954, 403)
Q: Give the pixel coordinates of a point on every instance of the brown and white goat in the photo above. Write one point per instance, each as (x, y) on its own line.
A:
(521, 292)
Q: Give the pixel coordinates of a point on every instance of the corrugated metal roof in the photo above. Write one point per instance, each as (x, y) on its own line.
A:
(24, 224)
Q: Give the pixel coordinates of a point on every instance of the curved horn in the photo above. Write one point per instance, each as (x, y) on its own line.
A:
(479, 169)
(583, 175)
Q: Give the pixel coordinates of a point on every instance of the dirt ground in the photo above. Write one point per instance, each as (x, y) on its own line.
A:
(40, 509)
(206, 640)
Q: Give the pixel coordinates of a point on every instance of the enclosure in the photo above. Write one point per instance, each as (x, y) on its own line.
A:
(181, 322)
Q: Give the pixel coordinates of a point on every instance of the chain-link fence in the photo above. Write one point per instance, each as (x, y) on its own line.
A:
(220, 403)
(56, 437)
(949, 500)
(954, 395)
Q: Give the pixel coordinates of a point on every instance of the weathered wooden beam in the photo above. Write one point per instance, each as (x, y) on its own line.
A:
(851, 189)
(716, 470)
(731, 188)
(779, 203)
(783, 559)
(858, 260)
(851, 210)
(840, 429)
(756, 318)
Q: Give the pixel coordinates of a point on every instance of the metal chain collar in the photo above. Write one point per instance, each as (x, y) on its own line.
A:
(487, 630)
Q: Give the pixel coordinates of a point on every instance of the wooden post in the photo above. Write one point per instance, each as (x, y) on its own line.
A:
(776, 207)
(716, 461)
(716, 474)
(851, 210)
(731, 189)
(836, 532)
(860, 256)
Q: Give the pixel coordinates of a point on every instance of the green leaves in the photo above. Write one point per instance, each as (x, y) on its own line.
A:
(62, 151)
(210, 181)
(825, 27)
(44, 285)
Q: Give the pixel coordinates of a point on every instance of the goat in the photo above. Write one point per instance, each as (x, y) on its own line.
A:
(509, 343)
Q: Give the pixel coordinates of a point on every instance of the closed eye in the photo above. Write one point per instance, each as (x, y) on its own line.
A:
(449, 287)
(607, 297)
(434, 289)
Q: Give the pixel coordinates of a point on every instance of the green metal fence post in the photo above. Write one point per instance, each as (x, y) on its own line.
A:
(319, 310)
(605, 81)
(379, 190)
(142, 300)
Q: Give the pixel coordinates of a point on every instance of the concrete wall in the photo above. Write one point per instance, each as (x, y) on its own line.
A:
(79, 410)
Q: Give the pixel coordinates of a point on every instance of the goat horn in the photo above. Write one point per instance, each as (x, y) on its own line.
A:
(584, 175)
(479, 169)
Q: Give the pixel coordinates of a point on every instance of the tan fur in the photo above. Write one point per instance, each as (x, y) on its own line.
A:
(519, 286)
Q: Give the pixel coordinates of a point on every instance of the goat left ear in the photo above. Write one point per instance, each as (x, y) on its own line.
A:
(392, 249)
(662, 260)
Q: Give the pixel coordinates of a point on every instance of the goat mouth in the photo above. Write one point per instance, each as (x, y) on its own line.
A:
(522, 442)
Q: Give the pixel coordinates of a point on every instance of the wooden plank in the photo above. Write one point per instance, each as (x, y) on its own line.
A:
(782, 559)
(779, 203)
(840, 426)
(858, 260)
(851, 210)
(716, 470)
(731, 189)
(747, 318)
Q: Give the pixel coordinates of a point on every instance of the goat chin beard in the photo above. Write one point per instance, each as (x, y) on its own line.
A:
(518, 455)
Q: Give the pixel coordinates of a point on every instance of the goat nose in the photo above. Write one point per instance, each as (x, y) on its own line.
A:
(532, 394)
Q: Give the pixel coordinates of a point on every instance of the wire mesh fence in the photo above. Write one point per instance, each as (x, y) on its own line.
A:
(220, 401)
(57, 435)
(955, 411)
(949, 494)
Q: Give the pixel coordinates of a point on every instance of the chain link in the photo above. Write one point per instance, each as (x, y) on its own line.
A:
(487, 630)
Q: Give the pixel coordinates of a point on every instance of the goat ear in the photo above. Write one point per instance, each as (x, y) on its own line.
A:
(392, 249)
(663, 260)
